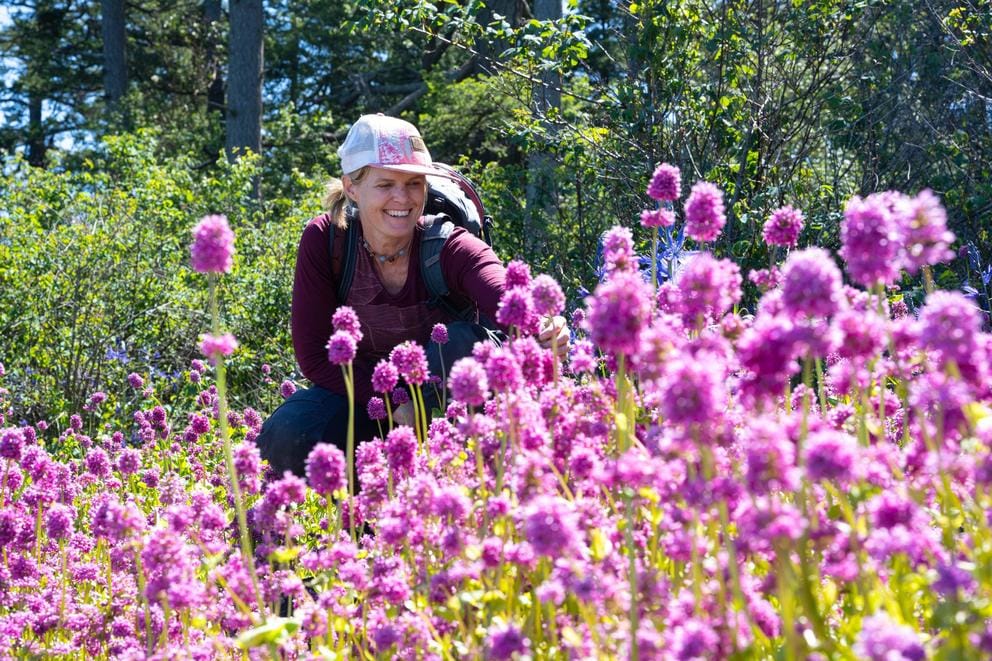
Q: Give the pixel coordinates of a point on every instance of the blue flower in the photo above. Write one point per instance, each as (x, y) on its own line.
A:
(672, 257)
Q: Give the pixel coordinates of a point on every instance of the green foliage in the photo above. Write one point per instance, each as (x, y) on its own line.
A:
(95, 281)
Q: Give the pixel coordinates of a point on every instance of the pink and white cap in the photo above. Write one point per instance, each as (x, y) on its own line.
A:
(386, 142)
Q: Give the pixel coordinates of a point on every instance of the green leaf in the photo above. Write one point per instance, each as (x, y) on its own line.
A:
(273, 632)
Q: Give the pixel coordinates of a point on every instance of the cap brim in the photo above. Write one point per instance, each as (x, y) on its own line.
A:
(419, 169)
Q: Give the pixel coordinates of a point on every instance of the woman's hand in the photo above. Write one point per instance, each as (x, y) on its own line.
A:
(554, 334)
(403, 415)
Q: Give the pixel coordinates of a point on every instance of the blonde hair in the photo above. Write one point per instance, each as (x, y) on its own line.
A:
(335, 199)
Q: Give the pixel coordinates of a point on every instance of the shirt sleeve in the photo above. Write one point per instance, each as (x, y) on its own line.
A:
(472, 269)
(315, 298)
(314, 301)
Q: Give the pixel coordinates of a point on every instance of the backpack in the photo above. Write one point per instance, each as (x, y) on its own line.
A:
(449, 204)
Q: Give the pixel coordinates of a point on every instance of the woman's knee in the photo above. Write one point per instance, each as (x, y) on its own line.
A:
(300, 422)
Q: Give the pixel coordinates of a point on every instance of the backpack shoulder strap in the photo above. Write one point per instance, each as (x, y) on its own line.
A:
(344, 254)
(432, 239)
(436, 231)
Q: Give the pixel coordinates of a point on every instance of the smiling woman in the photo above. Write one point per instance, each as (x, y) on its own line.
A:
(383, 189)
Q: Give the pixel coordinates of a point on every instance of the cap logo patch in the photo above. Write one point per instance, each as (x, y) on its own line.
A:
(417, 143)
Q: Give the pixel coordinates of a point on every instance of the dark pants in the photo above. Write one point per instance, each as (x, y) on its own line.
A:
(312, 415)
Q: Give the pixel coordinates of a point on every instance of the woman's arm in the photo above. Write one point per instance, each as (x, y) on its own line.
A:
(473, 270)
(314, 301)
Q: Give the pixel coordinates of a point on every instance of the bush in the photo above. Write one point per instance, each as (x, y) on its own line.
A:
(94, 283)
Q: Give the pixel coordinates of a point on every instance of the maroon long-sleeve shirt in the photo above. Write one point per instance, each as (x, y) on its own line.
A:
(471, 270)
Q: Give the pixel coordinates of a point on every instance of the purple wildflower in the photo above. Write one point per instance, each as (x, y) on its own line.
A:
(870, 238)
(549, 299)
(346, 320)
(341, 348)
(401, 448)
(618, 250)
(666, 183)
(927, 238)
(811, 284)
(287, 388)
(505, 641)
(693, 639)
(953, 580)
(135, 381)
(882, 639)
(410, 362)
(516, 308)
(129, 461)
(439, 334)
(503, 371)
(767, 351)
(950, 324)
(98, 463)
(709, 287)
(248, 466)
(399, 396)
(831, 455)
(783, 227)
(618, 312)
(59, 520)
(212, 250)
(582, 358)
(326, 469)
(213, 346)
(691, 392)
(765, 279)
(468, 382)
(517, 274)
(384, 376)
(376, 408)
(863, 334)
(550, 525)
(11, 443)
(771, 458)
(704, 212)
(657, 218)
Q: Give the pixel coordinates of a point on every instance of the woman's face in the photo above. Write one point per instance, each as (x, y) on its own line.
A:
(389, 202)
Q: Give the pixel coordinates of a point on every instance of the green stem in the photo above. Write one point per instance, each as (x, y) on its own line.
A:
(444, 381)
(139, 573)
(239, 507)
(349, 383)
(654, 257)
(632, 571)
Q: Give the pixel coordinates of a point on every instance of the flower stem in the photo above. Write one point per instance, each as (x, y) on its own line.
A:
(349, 382)
(239, 507)
(654, 258)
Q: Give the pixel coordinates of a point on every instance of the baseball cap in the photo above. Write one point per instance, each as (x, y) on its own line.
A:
(386, 142)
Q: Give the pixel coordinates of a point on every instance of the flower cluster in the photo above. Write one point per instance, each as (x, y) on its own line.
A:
(810, 481)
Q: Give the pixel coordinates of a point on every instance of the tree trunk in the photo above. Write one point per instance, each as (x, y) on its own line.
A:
(215, 93)
(489, 49)
(114, 51)
(546, 100)
(244, 78)
(36, 132)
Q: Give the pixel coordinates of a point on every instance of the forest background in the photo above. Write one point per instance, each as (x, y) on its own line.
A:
(124, 122)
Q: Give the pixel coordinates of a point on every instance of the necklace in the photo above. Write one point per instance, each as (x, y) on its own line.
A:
(384, 259)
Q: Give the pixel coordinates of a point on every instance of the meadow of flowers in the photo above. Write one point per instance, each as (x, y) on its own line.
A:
(689, 482)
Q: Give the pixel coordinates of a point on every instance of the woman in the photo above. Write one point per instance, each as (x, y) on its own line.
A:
(384, 187)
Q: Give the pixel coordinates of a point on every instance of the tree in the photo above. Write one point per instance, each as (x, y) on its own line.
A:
(244, 78)
(541, 194)
(51, 49)
(211, 21)
(114, 51)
